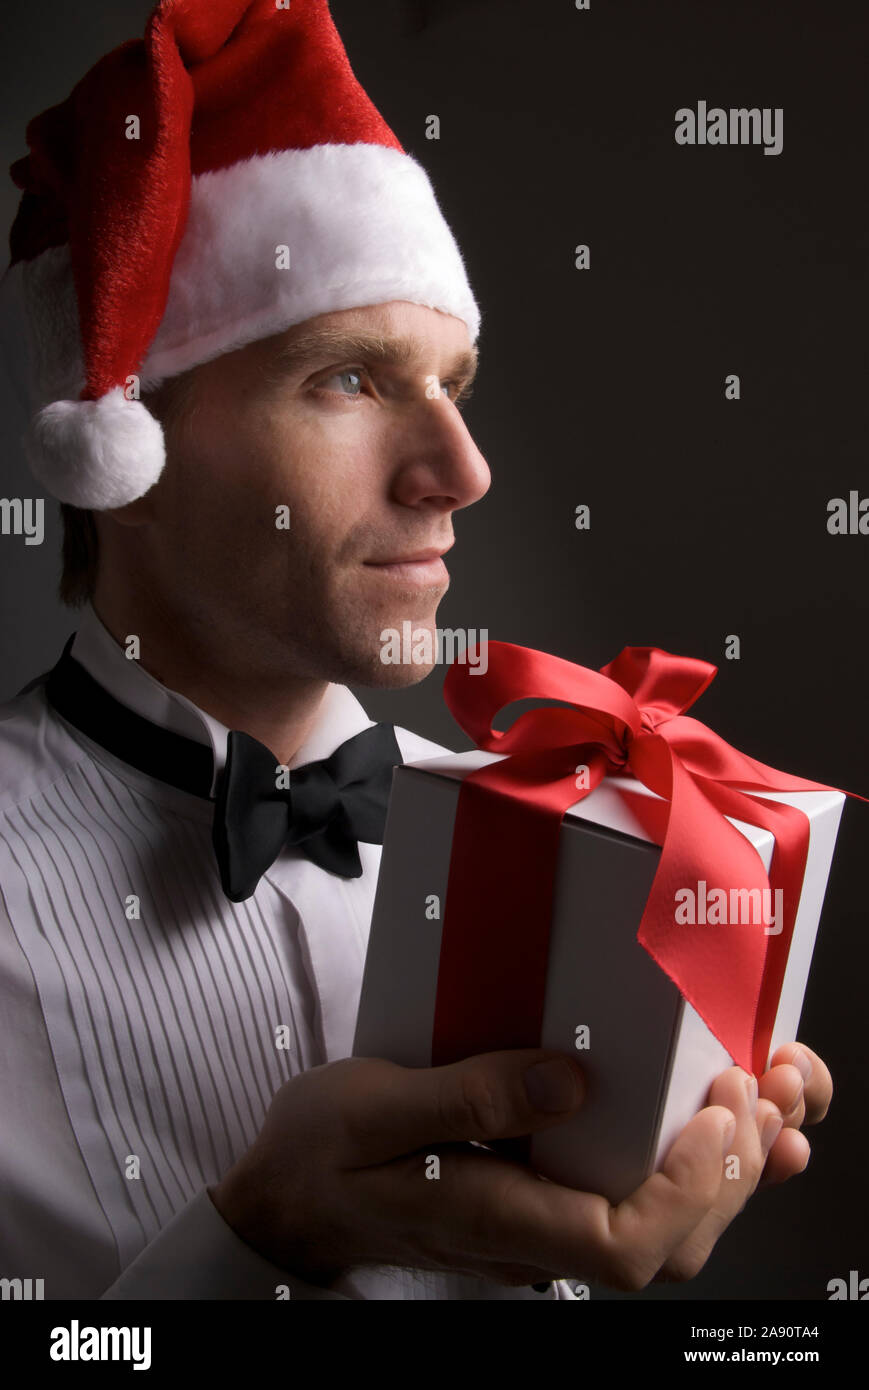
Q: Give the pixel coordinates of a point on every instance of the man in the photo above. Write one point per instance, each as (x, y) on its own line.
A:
(263, 260)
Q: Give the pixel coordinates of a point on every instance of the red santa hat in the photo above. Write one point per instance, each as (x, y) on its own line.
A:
(213, 183)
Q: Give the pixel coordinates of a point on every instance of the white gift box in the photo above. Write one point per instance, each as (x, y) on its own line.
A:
(651, 1058)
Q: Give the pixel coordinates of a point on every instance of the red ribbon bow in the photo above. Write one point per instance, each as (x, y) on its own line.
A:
(497, 915)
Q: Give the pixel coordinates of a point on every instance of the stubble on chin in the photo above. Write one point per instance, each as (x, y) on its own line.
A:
(359, 651)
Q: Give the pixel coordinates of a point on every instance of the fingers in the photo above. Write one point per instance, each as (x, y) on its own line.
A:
(484, 1210)
(818, 1083)
(392, 1110)
(783, 1086)
(791, 1152)
(788, 1156)
(646, 1228)
(387, 1110)
(741, 1171)
(488, 1212)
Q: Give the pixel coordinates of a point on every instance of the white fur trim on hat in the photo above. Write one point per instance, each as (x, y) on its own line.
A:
(96, 454)
(361, 224)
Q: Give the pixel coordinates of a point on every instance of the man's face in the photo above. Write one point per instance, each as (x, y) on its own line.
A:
(355, 430)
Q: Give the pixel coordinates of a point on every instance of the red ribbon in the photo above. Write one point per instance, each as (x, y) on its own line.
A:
(629, 716)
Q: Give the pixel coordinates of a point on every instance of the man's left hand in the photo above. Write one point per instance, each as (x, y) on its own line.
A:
(797, 1086)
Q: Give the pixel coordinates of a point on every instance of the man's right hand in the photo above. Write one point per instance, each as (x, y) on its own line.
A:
(337, 1176)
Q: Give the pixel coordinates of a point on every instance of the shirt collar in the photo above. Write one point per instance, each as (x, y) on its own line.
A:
(339, 717)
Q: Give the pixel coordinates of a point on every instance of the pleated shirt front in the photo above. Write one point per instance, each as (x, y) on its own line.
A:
(146, 1021)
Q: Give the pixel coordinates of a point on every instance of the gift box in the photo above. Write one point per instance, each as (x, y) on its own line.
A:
(546, 895)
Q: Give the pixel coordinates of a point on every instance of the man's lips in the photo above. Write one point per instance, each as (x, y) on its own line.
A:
(424, 567)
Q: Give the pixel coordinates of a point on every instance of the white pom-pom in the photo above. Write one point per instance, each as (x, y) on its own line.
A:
(97, 454)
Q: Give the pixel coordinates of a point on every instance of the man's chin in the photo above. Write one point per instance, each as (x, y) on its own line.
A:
(396, 651)
(378, 675)
(389, 653)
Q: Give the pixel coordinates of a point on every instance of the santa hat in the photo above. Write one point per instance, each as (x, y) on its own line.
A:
(213, 183)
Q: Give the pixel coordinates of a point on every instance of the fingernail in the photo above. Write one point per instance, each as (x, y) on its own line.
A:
(751, 1089)
(803, 1065)
(771, 1131)
(727, 1136)
(551, 1085)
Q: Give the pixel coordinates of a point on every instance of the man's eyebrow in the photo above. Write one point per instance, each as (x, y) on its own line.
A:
(335, 345)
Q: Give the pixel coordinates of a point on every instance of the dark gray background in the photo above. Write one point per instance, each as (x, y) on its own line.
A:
(607, 387)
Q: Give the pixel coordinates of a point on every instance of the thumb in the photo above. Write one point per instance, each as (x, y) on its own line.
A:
(393, 1110)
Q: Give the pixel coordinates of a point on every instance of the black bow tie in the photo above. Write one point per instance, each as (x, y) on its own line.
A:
(327, 807)
(324, 808)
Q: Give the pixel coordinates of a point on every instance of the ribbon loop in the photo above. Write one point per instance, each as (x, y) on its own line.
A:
(497, 916)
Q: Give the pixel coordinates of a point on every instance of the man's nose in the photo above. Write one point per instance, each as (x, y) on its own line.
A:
(440, 459)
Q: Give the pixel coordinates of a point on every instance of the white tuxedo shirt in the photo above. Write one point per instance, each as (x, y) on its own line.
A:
(146, 1044)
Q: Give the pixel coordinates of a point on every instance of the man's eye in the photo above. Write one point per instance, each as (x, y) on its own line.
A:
(350, 381)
